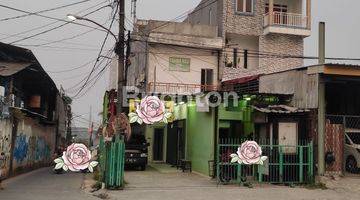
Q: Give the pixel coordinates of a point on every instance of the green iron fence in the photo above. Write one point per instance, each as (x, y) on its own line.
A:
(112, 159)
(285, 164)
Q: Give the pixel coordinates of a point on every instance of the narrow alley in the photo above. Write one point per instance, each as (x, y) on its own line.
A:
(42, 184)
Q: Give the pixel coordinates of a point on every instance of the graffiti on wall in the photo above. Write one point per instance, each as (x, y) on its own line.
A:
(4, 143)
(21, 148)
(42, 150)
(31, 148)
(4, 148)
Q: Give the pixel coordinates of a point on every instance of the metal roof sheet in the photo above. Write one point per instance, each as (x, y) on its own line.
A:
(281, 109)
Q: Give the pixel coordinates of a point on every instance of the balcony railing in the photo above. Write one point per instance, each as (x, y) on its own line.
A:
(290, 20)
(179, 88)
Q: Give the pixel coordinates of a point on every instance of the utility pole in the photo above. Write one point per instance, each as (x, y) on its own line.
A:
(119, 50)
(321, 102)
(127, 59)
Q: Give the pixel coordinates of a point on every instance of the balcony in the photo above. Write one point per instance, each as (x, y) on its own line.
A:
(179, 88)
(287, 23)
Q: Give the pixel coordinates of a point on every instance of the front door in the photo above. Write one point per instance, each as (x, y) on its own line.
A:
(288, 134)
(158, 144)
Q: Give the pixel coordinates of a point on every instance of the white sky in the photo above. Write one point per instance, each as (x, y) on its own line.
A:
(342, 18)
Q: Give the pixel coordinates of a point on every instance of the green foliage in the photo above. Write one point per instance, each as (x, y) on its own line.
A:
(67, 100)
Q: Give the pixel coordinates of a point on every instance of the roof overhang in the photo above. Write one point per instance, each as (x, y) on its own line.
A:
(280, 109)
(335, 69)
(11, 68)
(184, 40)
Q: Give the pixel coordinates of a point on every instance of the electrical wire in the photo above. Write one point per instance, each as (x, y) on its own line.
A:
(77, 85)
(57, 27)
(101, 49)
(45, 16)
(49, 24)
(43, 11)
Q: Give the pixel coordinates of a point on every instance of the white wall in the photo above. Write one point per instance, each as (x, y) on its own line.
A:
(199, 59)
(251, 43)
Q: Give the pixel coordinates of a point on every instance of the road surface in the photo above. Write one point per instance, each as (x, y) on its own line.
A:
(42, 184)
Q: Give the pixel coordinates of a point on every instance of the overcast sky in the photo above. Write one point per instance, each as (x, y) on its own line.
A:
(342, 18)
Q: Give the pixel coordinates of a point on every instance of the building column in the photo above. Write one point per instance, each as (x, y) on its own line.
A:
(271, 12)
(308, 13)
(321, 126)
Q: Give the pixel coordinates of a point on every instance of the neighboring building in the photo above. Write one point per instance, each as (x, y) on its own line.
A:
(331, 92)
(253, 30)
(175, 58)
(80, 135)
(33, 115)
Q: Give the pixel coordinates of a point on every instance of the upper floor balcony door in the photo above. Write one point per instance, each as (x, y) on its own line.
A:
(288, 17)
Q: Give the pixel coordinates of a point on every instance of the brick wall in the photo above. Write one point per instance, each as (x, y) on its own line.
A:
(280, 44)
(241, 23)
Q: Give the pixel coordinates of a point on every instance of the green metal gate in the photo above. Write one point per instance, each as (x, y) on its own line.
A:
(281, 166)
(112, 160)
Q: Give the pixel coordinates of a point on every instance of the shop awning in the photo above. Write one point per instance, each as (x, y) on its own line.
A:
(281, 109)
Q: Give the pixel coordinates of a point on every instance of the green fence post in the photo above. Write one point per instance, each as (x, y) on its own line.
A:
(311, 159)
(281, 163)
(239, 174)
(112, 161)
(122, 162)
(107, 165)
(301, 166)
(117, 163)
(101, 157)
(260, 174)
(218, 162)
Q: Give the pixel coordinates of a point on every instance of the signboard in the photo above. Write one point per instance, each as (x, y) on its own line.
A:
(179, 64)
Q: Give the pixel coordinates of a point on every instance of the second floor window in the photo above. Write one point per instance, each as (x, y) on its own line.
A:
(244, 6)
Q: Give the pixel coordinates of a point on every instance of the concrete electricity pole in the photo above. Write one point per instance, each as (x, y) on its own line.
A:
(119, 50)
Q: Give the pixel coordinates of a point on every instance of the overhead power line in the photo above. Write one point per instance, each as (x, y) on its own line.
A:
(49, 24)
(43, 11)
(56, 27)
(47, 17)
(100, 52)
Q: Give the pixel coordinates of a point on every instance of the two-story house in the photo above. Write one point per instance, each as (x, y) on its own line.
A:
(176, 59)
(259, 35)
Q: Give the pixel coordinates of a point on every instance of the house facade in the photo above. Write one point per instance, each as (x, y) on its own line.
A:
(174, 58)
(33, 112)
(254, 30)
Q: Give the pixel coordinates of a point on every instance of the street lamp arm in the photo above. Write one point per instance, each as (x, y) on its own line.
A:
(74, 17)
